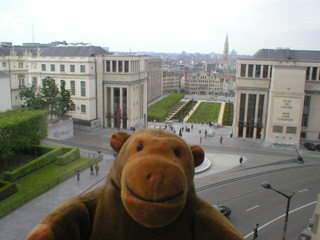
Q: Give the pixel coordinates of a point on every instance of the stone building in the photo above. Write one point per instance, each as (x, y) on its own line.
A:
(171, 82)
(277, 96)
(5, 92)
(108, 90)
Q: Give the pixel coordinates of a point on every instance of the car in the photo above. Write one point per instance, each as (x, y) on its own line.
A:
(310, 146)
(223, 209)
(318, 147)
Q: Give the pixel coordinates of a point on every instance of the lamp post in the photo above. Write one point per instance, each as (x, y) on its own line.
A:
(268, 186)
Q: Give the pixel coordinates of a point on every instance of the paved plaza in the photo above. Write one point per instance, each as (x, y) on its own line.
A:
(224, 161)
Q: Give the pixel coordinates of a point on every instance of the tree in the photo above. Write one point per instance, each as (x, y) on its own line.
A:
(31, 100)
(64, 101)
(50, 93)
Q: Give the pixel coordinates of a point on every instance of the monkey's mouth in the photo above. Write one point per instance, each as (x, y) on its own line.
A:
(154, 200)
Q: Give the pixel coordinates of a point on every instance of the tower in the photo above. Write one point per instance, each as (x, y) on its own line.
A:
(226, 52)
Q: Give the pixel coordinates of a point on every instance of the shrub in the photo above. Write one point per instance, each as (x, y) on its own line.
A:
(33, 165)
(228, 114)
(7, 189)
(184, 111)
(69, 156)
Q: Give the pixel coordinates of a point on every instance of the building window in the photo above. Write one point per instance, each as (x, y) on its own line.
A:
(83, 108)
(62, 82)
(83, 88)
(265, 71)
(277, 129)
(21, 81)
(4, 64)
(306, 107)
(73, 107)
(108, 69)
(243, 70)
(251, 115)
(242, 108)
(62, 68)
(126, 66)
(314, 73)
(303, 135)
(120, 66)
(72, 68)
(250, 71)
(114, 66)
(73, 87)
(308, 73)
(34, 82)
(82, 68)
(43, 67)
(258, 71)
(291, 130)
(53, 67)
(20, 64)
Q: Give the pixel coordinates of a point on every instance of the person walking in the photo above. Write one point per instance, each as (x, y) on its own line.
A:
(91, 169)
(255, 232)
(240, 160)
(78, 174)
(96, 167)
(221, 139)
(200, 138)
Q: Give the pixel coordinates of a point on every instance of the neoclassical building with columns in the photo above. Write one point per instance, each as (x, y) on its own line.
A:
(278, 96)
(107, 89)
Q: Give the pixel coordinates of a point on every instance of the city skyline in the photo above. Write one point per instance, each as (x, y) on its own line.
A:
(170, 27)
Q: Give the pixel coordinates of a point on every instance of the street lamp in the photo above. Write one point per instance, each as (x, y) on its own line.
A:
(268, 186)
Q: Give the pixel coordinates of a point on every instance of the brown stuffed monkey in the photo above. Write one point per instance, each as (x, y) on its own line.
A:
(149, 194)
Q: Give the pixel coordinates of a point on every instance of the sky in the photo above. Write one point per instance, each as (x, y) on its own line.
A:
(170, 26)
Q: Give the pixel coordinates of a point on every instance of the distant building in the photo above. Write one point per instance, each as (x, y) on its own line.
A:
(277, 96)
(155, 75)
(5, 92)
(171, 82)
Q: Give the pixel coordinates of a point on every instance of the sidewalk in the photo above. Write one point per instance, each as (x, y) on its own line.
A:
(223, 157)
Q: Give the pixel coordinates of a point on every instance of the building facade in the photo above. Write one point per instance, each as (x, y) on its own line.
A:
(171, 82)
(5, 92)
(277, 96)
(106, 89)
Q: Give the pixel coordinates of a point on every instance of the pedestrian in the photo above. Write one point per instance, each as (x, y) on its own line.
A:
(114, 155)
(96, 167)
(180, 133)
(78, 174)
(240, 160)
(91, 169)
(200, 138)
(255, 232)
(221, 139)
(205, 133)
(300, 159)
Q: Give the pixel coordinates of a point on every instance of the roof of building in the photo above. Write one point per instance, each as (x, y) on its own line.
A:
(19, 51)
(74, 51)
(287, 54)
(3, 74)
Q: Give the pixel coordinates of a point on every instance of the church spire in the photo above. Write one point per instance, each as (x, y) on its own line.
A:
(226, 52)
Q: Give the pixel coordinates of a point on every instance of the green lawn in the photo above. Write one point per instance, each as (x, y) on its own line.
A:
(40, 181)
(160, 110)
(206, 112)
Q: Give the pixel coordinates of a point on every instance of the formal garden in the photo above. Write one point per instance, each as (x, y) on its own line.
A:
(28, 169)
(206, 112)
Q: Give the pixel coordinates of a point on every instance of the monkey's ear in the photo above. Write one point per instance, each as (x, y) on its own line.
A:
(118, 139)
(198, 155)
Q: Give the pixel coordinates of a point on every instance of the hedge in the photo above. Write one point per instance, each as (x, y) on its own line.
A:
(70, 155)
(7, 189)
(228, 114)
(33, 165)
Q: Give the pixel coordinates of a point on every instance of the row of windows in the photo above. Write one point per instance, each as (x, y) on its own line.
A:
(20, 64)
(117, 66)
(313, 73)
(254, 70)
(82, 107)
(62, 68)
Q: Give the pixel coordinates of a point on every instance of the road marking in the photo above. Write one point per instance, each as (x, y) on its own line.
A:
(249, 209)
(292, 211)
(304, 190)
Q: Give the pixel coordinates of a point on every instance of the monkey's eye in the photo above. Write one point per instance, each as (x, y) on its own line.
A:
(140, 147)
(177, 152)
